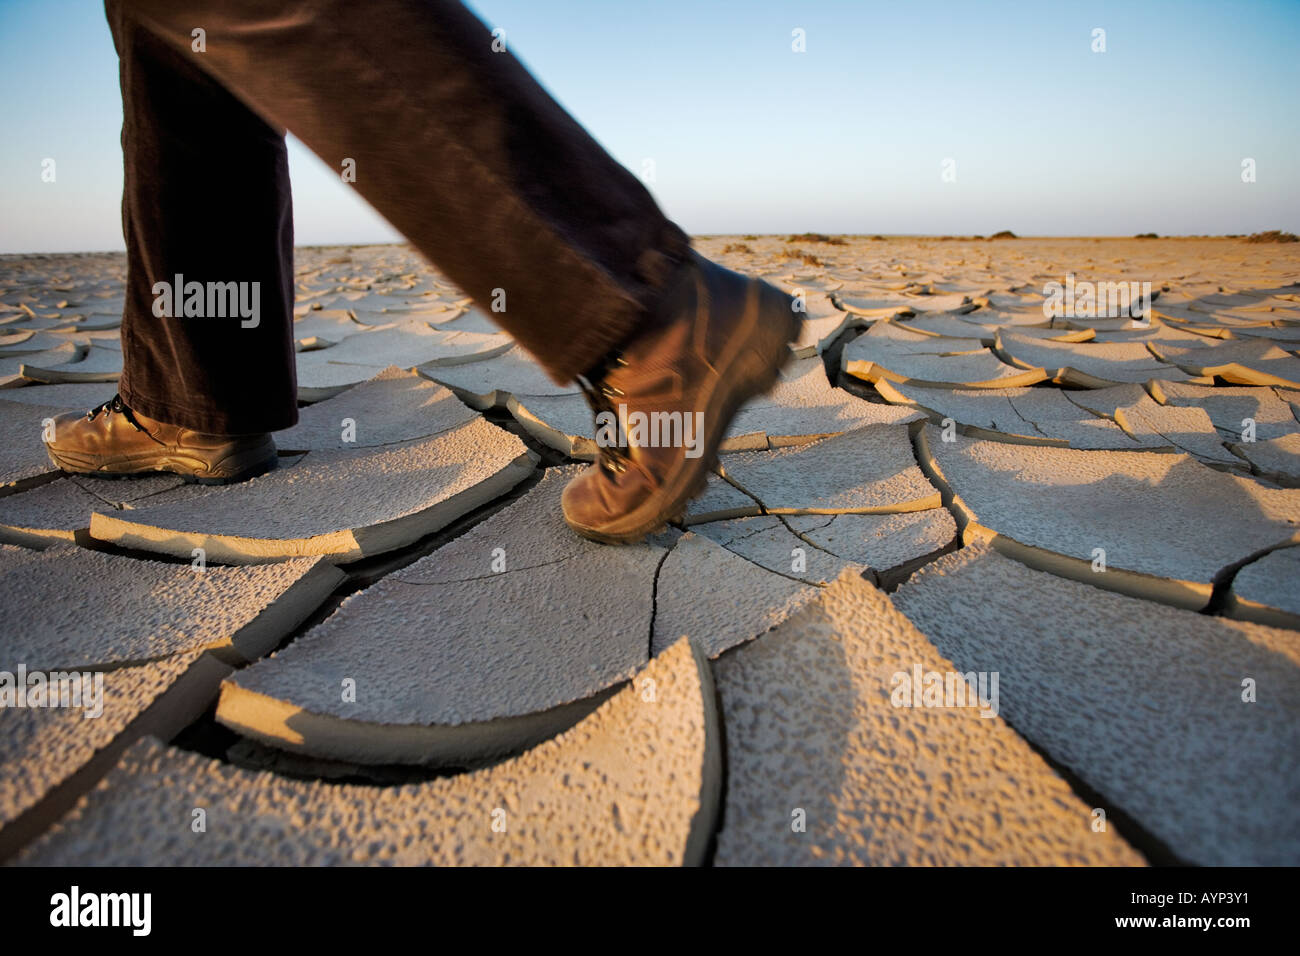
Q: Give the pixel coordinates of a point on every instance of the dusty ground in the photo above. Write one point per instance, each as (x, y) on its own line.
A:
(974, 474)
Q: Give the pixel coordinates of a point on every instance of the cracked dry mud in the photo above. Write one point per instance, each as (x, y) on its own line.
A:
(947, 481)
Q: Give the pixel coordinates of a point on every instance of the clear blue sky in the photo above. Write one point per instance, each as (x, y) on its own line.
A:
(1049, 138)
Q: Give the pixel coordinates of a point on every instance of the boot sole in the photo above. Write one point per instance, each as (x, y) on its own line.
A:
(234, 468)
(754, 370)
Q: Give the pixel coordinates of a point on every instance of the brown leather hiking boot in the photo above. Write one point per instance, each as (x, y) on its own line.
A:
(112, 441)
(664, 401)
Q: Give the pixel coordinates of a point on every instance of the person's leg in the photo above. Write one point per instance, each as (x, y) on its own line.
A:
(458, 147)
(205, 200)
(206, 196)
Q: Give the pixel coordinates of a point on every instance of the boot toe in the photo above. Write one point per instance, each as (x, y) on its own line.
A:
(65, 431)
(581, 501)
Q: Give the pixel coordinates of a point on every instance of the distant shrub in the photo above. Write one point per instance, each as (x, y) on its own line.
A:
(1004, 234)
(807, 258)
(749, 238)
(816, 237)
(1146, 235)
(1273, 235)
(736, 247)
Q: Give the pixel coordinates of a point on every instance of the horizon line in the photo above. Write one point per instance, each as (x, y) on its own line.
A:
(994, 237)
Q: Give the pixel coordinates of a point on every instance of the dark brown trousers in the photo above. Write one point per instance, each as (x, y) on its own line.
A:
(453, 142)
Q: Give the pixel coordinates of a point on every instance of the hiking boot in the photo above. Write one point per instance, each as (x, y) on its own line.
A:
(111, 441)
(668, 395)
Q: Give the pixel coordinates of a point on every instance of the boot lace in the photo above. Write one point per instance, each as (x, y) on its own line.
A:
(114, 406)
(600, 395)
